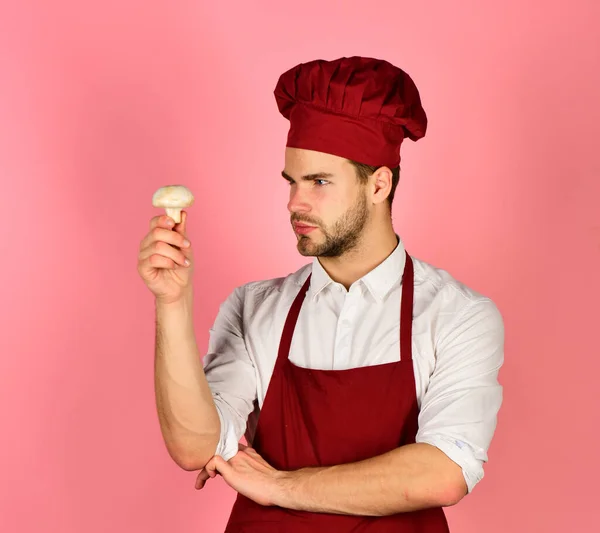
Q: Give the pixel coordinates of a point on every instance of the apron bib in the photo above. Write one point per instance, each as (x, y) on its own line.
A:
(330, 417)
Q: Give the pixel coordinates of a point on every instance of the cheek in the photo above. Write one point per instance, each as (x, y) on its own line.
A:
(323, 203)
(330, 207)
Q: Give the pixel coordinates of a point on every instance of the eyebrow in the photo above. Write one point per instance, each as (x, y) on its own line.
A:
(308, 177)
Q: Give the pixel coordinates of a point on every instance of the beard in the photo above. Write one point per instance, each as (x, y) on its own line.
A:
(341, 237)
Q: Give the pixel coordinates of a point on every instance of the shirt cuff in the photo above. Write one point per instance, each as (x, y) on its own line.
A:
(462, 454)
(228, 441)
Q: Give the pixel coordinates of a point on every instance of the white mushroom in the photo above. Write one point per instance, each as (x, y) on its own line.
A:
(173, 198)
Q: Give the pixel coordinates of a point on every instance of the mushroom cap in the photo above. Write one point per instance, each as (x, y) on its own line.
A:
(173, 196)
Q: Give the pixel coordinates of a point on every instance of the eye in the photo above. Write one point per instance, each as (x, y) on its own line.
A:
(321, 183)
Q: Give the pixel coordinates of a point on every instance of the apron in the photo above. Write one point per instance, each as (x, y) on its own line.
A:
(330, 417)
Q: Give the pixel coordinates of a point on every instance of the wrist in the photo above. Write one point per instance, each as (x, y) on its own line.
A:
(292, 486)
(285, 486)
(175, 315)
(183, 303)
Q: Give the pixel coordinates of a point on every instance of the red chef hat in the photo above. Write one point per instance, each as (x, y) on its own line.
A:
(358, 108)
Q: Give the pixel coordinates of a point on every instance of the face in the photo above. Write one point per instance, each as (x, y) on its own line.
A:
(328, 206)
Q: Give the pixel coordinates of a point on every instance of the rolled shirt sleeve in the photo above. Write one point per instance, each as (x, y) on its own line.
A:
(459, 410)
(230, 373)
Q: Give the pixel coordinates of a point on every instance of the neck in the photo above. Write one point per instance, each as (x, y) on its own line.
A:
(373, 249)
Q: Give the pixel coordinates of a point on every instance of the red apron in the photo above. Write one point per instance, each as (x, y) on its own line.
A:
(330, 417)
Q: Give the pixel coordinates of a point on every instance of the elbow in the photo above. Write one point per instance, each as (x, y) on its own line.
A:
(191, 463)
(194, 456)
(453, 493)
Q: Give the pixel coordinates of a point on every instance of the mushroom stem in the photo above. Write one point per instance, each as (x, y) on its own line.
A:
(174, 213)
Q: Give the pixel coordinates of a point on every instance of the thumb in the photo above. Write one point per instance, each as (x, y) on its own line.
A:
(217, 465)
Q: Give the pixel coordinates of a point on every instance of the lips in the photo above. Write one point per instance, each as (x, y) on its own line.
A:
(303, 228)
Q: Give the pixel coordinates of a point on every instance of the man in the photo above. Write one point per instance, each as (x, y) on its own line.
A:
(366, 382)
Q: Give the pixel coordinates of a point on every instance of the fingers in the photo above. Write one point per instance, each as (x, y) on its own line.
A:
(213, 468)
(162, 255)
(217, 465)
(162, 221)
(252, 452)
(202, 478)
(248, 449)
(159, 233)
(158, 261)
(164, 248)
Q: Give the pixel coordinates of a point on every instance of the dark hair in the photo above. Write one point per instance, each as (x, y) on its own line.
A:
(363, 172)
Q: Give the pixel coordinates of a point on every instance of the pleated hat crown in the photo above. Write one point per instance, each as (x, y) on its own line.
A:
(358, 108)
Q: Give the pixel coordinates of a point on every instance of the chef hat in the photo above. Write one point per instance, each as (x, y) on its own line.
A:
(358, 108)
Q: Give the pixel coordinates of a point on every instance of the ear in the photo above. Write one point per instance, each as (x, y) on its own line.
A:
(382, 184)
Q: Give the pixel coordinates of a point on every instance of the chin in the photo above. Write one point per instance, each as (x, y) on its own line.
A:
(307, 253)
(306, 247)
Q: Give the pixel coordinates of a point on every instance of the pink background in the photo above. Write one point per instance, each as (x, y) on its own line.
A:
(103, 102)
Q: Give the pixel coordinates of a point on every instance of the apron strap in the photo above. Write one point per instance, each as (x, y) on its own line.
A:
(406, 310)
(290, 325)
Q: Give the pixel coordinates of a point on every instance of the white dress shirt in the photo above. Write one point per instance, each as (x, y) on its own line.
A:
(457, 344)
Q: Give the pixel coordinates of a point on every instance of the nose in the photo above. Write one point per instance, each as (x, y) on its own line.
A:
(298, 201)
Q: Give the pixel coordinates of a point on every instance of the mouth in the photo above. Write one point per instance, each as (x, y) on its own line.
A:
(303, 229)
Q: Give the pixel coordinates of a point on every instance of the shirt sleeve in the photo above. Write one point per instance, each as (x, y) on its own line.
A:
(459, 410)
(230, 373)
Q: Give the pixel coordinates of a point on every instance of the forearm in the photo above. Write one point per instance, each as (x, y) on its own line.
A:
(409, 478)
(187, 414)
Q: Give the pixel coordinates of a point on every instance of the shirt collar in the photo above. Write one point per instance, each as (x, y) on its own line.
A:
(378, 281)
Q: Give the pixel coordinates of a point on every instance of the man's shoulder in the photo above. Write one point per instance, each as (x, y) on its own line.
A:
(275, 287)
(444, 286)
(458, 311)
